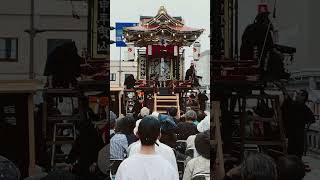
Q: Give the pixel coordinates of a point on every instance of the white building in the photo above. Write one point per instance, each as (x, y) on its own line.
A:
(125, 69)
(203, 69)
(57, 18)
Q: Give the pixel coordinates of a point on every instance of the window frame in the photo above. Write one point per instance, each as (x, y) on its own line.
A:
(17, 50)
(115, 76)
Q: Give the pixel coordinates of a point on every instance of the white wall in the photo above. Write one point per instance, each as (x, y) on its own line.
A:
(13, 27)
(203, 68)
(127, 67)
(49, 14)
(15, 7)
(61, 7)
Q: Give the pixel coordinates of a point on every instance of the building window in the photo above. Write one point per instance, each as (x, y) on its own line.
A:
(113, 77)
(8, 49)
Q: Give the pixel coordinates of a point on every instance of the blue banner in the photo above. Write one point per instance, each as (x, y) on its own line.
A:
(119, 33)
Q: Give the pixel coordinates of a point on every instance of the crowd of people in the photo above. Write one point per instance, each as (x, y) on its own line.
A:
(156, 146)
(177, 146)
(168, 146)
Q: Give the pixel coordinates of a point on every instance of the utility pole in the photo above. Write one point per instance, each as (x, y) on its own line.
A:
(32, 32)
(120, 70)
(32, 35)
(236, 12)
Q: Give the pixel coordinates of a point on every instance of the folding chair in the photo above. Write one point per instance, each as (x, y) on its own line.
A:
(114, 165)
(181, 146)
(181, 166)
(190, 152)
(201, 177)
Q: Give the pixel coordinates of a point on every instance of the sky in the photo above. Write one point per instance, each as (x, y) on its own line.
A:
(195, 13)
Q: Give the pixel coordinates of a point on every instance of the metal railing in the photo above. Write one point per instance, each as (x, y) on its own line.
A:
(313, 140)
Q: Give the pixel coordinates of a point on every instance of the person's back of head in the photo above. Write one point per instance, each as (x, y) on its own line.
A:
(191, 115)
(144, 112)
(129, 124)
(149, 130)
(202, 144)
(290, 168)
(200, 115)
(258, 166)
(172, 111)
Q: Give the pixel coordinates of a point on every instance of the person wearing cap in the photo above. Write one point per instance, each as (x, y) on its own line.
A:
(168, 131)
(173, 113)
(163, 150)
(200, 164)
(155, 114)
(151, 166)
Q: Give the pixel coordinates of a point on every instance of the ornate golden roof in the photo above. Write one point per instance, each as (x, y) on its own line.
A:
(162, 10)
(152, 30)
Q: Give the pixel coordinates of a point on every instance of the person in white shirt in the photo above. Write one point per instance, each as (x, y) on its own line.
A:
(147, 164)
(203, 126)
(201, 164)
(163, 150)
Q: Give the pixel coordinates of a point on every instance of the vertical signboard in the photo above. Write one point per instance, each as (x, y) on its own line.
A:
(14, 124)
(100, 29)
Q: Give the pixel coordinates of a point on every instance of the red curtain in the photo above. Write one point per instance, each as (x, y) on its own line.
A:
(162, 51)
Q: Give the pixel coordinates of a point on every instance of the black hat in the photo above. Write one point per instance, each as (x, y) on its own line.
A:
(149, 130)
(202, 144)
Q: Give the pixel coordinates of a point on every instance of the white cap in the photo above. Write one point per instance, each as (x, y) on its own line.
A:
(155, 114)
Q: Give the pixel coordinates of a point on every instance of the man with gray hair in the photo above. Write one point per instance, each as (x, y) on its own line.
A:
(187, 126)
(256, 166)
(191, 115)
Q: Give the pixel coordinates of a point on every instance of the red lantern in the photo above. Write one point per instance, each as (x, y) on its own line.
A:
(263, 8)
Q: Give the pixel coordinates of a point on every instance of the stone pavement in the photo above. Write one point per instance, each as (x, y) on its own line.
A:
(314, 161)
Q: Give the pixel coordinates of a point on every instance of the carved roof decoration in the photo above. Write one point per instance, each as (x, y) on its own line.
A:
(160, 29)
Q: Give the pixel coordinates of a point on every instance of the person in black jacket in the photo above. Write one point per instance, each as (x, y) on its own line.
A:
(63, 65)
(254, 36)
(296, 115)
(86, 149)
(130, 82)
(202, 97)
